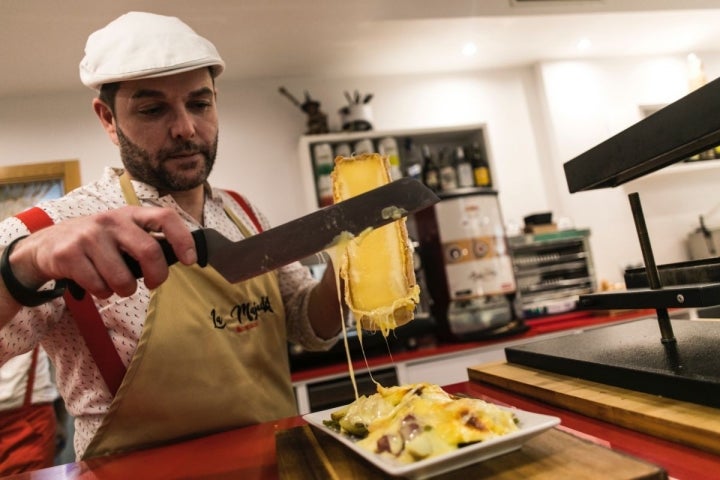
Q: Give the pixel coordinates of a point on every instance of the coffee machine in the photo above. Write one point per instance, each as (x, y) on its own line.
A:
(467, 265)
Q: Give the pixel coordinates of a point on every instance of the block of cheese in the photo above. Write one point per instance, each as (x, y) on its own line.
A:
(377, 267)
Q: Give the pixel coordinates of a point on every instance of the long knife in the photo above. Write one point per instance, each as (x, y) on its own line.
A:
(300, 238)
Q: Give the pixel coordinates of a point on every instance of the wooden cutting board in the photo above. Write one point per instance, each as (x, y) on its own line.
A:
(305, 453)
(674, 420)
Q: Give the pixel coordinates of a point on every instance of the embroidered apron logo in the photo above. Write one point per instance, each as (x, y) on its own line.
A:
(246, 314)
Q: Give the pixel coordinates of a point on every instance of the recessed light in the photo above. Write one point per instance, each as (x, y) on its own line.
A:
(469, 49)
(583, 44)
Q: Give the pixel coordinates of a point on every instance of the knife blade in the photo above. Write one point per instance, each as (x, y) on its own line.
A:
(302, 237)
(315, 232)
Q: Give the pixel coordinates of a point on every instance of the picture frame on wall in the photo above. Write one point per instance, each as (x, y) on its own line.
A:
(23, 186)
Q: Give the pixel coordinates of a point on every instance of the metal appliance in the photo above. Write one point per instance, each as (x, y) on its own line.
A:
(467, 265)
(551, 270)
(673, 359)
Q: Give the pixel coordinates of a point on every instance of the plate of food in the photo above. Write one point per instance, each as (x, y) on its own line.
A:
(418, 430)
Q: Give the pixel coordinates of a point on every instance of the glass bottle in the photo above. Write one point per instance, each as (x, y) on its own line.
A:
(448, 174)
(431, 172)
(343, 150)
(413, 160)
(388, 147)
(481, 169)
(464, 169)
(324, 163)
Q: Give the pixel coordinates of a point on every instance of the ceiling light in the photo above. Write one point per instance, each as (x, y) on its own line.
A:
(583, 44)
(469, 49)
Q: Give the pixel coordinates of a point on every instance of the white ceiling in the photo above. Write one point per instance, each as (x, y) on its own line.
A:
(42, 40)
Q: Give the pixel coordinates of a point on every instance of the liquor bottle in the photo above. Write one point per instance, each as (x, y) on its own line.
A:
(448, 174)
(431, 172)
(363, 146)
(324, 163)
(481, 169)
(707, 154)
(464, 169)
(413, 160)
(343, 150)
(389, 148)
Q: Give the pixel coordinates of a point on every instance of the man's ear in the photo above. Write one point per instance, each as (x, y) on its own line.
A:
(107, 119)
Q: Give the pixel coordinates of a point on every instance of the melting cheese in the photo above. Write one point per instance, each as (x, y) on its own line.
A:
(379, 276)
(376, 266)
(413, 422)
(376, 281)
(336, 253)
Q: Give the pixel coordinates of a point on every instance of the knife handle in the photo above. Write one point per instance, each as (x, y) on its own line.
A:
(170, 257)
(200, 245)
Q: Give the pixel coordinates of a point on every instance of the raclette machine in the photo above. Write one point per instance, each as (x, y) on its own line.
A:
(676, 359)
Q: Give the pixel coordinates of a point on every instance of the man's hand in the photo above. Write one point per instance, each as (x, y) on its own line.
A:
(88, 250)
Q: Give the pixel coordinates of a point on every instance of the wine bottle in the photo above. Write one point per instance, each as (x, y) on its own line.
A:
(481, 169)
(448, 174)
(413, 160)
(324, 163)
(389, 148)
(431, 172)
(464, 169)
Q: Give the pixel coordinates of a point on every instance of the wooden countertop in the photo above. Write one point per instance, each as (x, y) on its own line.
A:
(249, 453)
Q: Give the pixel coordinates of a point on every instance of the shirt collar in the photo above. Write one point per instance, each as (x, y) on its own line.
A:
(147, 192)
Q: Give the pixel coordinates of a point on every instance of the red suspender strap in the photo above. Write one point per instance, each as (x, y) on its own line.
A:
(31, 378)
(35, 219)
(86, 317)
(246, 207)
(97, 339)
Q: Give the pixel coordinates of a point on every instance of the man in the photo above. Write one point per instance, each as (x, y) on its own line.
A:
(181, 353)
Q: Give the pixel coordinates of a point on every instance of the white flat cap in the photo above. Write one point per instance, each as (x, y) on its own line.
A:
(145, 45)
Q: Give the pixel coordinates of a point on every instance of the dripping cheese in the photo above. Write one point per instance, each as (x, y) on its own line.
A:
(377, 268)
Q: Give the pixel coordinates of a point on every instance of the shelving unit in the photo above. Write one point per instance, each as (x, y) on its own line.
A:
(423, 228)
(436, 138)
(551, 270)
(687, 167)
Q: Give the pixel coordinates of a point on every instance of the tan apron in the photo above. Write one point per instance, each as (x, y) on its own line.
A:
(212, 356)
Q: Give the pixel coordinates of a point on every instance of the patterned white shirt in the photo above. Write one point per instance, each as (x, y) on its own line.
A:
(14, 376)
(79, 381)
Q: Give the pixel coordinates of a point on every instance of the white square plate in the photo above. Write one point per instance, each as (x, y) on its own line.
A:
(530, 424)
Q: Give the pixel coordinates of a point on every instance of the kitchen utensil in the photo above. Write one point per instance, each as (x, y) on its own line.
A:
(287, 94)
(300, 238)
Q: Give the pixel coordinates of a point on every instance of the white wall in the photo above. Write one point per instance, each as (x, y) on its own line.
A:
(260, 130)
(587, 102)
(47, 128)
(537, 118)
(499, 99)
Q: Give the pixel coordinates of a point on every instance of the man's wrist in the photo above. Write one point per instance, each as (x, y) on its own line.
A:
(29, 297)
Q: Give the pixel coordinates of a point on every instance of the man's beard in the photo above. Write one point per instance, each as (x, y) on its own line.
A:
(141, 166)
